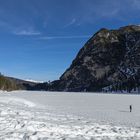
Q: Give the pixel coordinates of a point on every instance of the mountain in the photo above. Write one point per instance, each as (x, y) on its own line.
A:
(21, 84)
(6, 84)
(10, 83)
(109, 61)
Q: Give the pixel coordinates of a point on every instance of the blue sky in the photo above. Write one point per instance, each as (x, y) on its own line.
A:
(40, 38)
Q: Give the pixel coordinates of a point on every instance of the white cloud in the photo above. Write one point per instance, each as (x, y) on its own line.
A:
(70, 23)
(23, 30)
(110, 14)
(64, 37)
(92, 12)
(27, 32)
(136, 4)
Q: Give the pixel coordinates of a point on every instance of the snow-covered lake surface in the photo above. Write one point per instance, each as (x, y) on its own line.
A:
(27, 115)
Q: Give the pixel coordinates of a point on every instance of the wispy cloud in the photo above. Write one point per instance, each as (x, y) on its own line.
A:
(110, 14)
(64, 37)
(26, 32)
(70, 23)
(94, 11)
(136, 3)
(21, 30)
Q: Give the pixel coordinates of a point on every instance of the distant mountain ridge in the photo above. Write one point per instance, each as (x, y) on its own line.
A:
(6, 84)
(10, 83)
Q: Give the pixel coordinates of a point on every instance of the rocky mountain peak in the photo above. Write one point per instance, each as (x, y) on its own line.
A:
(110, 58)
(130, 28)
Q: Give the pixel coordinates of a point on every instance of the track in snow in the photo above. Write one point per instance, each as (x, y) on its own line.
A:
(23, 120)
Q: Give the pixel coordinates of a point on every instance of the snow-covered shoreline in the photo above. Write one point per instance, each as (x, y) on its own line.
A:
(43, 115)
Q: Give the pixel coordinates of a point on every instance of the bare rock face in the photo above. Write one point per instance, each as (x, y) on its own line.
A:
(110, 60)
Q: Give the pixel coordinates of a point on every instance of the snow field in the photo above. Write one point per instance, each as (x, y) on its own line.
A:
(22, 119)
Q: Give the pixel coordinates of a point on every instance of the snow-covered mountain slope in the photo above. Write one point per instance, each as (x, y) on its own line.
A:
(52, 116)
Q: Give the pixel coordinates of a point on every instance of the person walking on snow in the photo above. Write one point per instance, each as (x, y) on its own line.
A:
(130, 107)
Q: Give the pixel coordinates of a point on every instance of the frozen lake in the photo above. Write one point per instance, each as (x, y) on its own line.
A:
(112, 108)
(70, 115)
